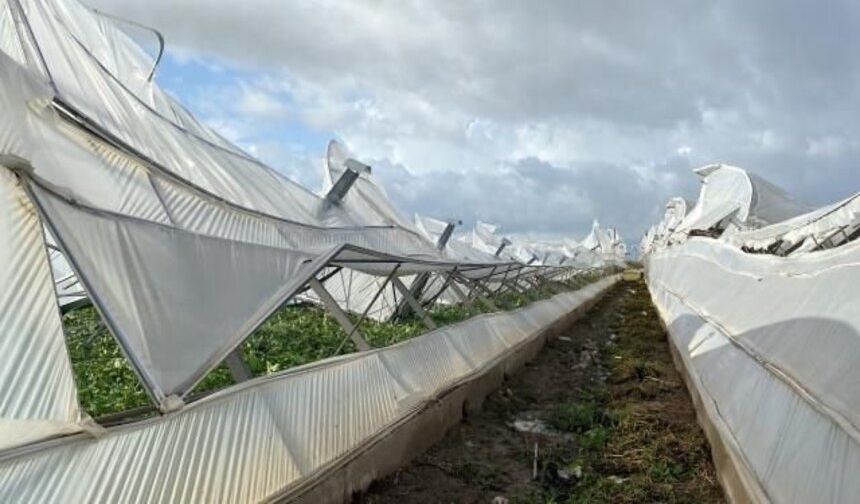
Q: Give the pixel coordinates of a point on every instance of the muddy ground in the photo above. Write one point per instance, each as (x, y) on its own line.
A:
(600, 416)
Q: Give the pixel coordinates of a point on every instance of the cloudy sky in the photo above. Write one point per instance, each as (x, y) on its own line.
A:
(537, 116)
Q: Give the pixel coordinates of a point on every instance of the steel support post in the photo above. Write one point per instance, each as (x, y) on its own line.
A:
(514, 286)
(503, 283)
(413, 303)
(460, 294)
(432, 300)
(477, 289)
(338, 314)
(417, 289)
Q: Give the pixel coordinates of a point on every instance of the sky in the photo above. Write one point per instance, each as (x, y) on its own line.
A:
(537, 116)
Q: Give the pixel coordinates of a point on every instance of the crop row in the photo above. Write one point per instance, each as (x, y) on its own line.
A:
(294, 335)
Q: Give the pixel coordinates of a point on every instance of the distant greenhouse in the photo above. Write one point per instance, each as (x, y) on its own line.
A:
(114, 195)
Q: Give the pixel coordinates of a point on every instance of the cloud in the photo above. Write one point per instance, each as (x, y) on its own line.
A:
(535, 116)
(255, 102)
(832, 146)
(533, 197)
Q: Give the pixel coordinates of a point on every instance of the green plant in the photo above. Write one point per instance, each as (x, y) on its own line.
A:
(294, 335)
(580, 417)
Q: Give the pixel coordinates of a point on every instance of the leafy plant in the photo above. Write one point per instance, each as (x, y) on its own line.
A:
(294, 335)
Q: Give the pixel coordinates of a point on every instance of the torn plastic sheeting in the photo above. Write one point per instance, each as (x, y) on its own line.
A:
(185, 242)
(250, 441)
(365, 197)
(192, 212)
(187, 210)
(91, 87)
(240, 180)
(816, 227)
(729, 191)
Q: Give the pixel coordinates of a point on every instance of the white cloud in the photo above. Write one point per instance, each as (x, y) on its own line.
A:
(257, 103)
(557, 112)
(684, 150)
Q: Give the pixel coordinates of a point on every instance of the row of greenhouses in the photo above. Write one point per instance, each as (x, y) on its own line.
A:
(135, 237)
(759, 294)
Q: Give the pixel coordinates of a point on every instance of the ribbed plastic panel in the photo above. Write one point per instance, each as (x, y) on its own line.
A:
(249, 442)
(39, 397)
(770, 344)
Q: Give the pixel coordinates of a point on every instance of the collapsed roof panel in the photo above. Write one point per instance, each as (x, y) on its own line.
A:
(149, 281)
(184, 242)
(729, 192)
(766, 328)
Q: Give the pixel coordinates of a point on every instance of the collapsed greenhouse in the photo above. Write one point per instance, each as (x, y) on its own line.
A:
(112, 194)
(758, 294)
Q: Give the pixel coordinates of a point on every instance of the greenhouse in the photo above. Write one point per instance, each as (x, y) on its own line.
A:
(758, 295)
(180, 321)
(119, 204)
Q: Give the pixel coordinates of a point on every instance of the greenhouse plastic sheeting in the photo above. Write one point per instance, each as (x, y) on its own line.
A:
(762, 314)
(771, 346)
(39, 396)
(732, 192)
(253, 440)
(606, 244)
(149, 278)
(804, 232)
(358, 292)
(365, 197)
(121, 207)
(183, 242)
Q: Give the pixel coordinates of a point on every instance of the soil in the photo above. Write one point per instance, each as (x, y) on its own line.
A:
(601, 415)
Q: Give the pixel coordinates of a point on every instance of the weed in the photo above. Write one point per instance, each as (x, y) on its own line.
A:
(653, 451)
(580, 416)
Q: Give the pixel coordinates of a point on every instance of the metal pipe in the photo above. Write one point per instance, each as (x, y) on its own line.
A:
(338, 314)
(415, 305)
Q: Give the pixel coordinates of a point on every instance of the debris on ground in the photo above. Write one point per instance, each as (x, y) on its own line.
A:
(531, 427)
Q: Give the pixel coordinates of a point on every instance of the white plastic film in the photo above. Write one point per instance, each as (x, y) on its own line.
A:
(178, 301)
(769, 343)
(38, 397)
(252, 441)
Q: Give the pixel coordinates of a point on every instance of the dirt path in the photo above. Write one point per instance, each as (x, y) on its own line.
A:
(600, 416)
